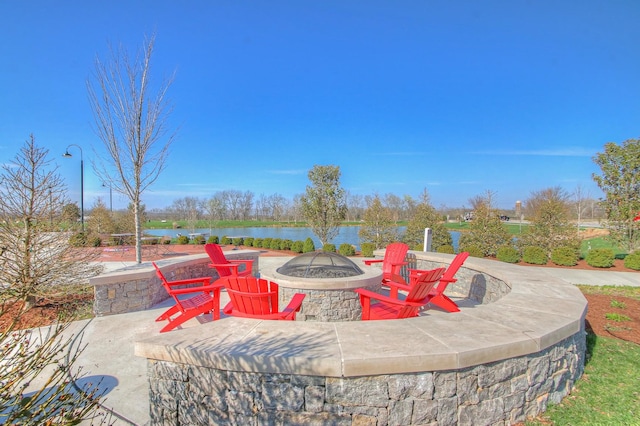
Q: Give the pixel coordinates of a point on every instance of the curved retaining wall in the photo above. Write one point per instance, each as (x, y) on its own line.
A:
(491, 363)
(136, 288)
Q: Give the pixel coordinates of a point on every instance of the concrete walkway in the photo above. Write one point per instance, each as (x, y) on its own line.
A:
(110, 340)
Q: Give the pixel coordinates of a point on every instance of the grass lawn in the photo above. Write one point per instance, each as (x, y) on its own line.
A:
(609, 391)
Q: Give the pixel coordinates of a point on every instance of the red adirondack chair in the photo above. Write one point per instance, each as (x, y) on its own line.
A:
(226, 267)
(392, 262)
(253, 297)
(206, 300)
(389, 307)
(438, 297)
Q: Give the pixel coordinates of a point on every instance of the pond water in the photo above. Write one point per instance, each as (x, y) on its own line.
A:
(346, 234)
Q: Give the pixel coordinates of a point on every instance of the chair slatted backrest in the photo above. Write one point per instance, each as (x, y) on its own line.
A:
(454, 266)
(417, 296)
(165, 283)
(394, 254)
(252, 296)
(217, 256)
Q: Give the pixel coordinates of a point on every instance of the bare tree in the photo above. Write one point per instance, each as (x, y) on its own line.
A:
(33, 262)
(580, 201)
(132, 124)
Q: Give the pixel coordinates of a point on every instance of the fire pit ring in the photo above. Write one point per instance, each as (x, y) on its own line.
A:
(324, 279)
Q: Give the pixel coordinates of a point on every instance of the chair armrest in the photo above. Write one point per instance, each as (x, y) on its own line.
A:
(233, 266)
(369, 262)
(293, 307)
(242, 261)
(394, 286)
(215, 288)
(203, 280)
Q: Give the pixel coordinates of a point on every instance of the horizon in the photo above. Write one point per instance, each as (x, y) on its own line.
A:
(458, 98)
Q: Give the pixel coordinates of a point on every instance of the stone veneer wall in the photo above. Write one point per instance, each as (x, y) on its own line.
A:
(502, 392)
(136, 288)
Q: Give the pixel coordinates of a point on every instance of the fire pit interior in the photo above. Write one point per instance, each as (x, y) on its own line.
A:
(320, 265)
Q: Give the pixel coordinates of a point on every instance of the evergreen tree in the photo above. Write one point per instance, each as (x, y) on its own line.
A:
(378, 227)
(486, 232)
(425, 216)
(620, 182)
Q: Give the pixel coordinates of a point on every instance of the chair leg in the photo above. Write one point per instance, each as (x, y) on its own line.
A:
(445, 303)
(168, 313)
(191, 313)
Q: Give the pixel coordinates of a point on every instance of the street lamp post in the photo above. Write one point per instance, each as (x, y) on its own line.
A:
(110, 197)
(68, 155)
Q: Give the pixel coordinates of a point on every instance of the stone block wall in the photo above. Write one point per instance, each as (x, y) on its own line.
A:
(137, 287)
(502, 392)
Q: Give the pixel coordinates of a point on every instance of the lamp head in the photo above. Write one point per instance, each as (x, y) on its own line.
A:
(67, 154)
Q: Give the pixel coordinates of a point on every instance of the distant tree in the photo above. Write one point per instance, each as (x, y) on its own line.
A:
(71, 214)
(323, 204)
(100, 220)
(378, 227)
(35, 262)
(486, 232)
(132, 125)
(425, 216)
(580, 204)
(620, 182)
(549, 212)
(214, 210)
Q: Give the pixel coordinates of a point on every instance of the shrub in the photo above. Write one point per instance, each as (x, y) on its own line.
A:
(601, 258)
(534, 255)
(329, 248)
(266, 242)
(182, 239)
(632, 261)
(165, 241)
(564, 256)
(275, 244)
(447, 248)
(237, 241)
(258, 242)
(286, 244)
(248, 242)
(225, 240)
(78, 239)
(508, 254)
(213, 239)
(297, 246)
(367, 249)
(473, 250)
(346, 249)
(308, 246)
(94, 241)
(198, 239)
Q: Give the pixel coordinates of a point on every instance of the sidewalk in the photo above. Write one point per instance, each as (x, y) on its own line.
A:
(110, 344)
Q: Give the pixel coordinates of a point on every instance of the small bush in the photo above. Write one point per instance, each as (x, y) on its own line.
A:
(564, 256)
(308, 246)
(275, 244)
(367, 249)
(78, 240)
(258, 242)
(286, 244)
(473, 250)
(632, 261)
(182, 239)
(165, 241)
(508, 254)
(329, 248)
(213, 239)
(225, 241)
(198, 239)
(601, 258)
(297, 246)
(534, 255)
(266, 242)
(248, 242)
(94, 241)
(237, 241)
(346, 249)
(447, 248)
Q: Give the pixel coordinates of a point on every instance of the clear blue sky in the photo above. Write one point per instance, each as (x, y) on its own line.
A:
(458, 97)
